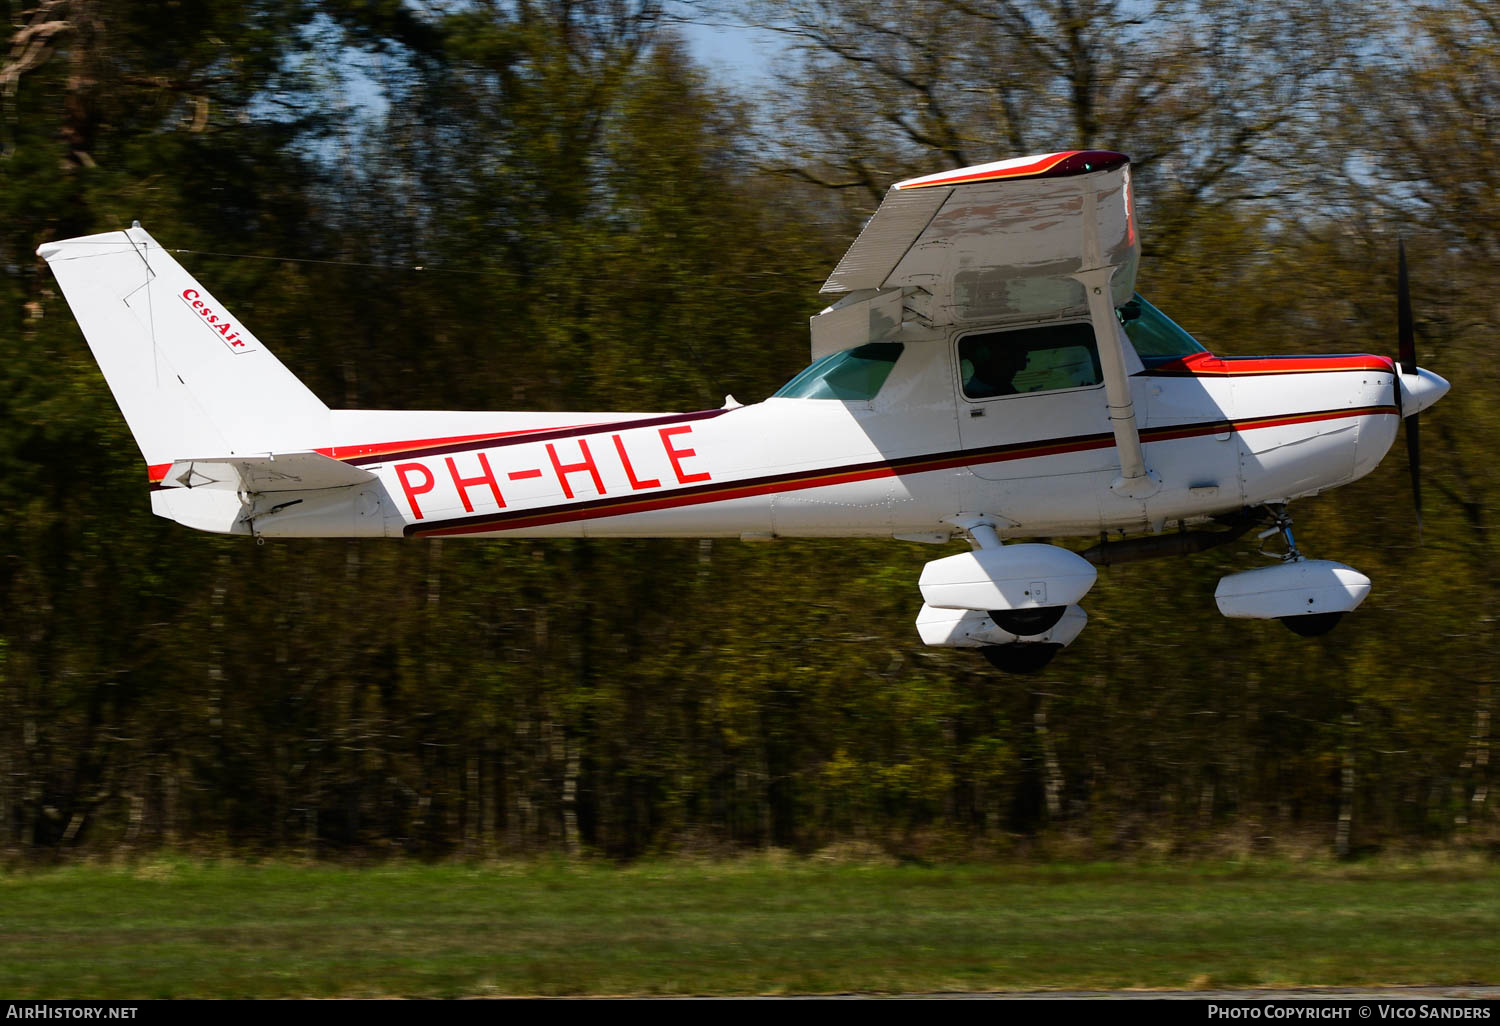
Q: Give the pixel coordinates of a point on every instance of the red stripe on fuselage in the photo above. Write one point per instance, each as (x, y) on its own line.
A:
(1207, 365)
(439, 447)
(378, 452)
(357, 453)
(1195, 365)
(596, 509)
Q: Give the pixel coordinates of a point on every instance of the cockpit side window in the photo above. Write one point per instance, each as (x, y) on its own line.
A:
(853, 375)
(1044, 358)
(1153, 333)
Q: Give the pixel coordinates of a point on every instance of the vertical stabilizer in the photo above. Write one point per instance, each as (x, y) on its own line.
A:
(190, 378)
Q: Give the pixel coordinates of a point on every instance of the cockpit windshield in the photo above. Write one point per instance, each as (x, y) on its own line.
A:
(852, 375)
(1153, 334)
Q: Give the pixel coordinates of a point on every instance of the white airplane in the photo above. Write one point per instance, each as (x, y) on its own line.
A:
(988, 373)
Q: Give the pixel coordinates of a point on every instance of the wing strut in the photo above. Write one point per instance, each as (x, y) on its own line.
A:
(1135, 481)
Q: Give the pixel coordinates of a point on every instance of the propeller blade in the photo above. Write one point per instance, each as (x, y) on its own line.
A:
(1406, 338)
(1406, 351)
(1414, 463)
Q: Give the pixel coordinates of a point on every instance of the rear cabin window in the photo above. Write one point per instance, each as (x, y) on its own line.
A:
(1045, 358)
(853, 375)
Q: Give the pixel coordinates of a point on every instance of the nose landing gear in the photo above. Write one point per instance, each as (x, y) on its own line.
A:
(1311, 625)
(1307, 625)
(1309, 596)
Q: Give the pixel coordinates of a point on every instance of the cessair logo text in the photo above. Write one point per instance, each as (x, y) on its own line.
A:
(217, 322)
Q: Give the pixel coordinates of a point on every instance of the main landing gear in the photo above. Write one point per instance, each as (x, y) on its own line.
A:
(1016, 603)
(1020, 657)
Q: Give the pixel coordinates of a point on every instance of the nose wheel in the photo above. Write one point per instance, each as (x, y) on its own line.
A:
(1306, 625)
(1311, 625)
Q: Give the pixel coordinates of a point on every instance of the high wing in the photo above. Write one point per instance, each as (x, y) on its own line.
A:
(1015, 241)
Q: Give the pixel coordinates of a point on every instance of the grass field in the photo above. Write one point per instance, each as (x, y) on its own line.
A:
(754, 925)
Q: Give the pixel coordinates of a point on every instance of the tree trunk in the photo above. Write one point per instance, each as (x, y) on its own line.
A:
(1346, 791)
(1052, 779)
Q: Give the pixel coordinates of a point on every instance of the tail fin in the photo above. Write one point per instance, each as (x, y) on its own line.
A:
(190, 379)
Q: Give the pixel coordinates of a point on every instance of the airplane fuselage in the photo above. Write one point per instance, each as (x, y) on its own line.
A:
(1219, 435)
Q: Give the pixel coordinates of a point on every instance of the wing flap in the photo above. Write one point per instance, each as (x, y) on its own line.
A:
(900, 221)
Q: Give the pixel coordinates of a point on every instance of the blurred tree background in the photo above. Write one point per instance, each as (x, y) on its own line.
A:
(602, 225)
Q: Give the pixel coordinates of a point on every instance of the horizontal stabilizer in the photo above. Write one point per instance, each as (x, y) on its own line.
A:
(280, 472)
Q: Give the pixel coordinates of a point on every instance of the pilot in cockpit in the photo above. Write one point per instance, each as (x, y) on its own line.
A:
(989, 369)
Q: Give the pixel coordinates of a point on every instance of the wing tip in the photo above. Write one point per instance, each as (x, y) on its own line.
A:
(1062, 164)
